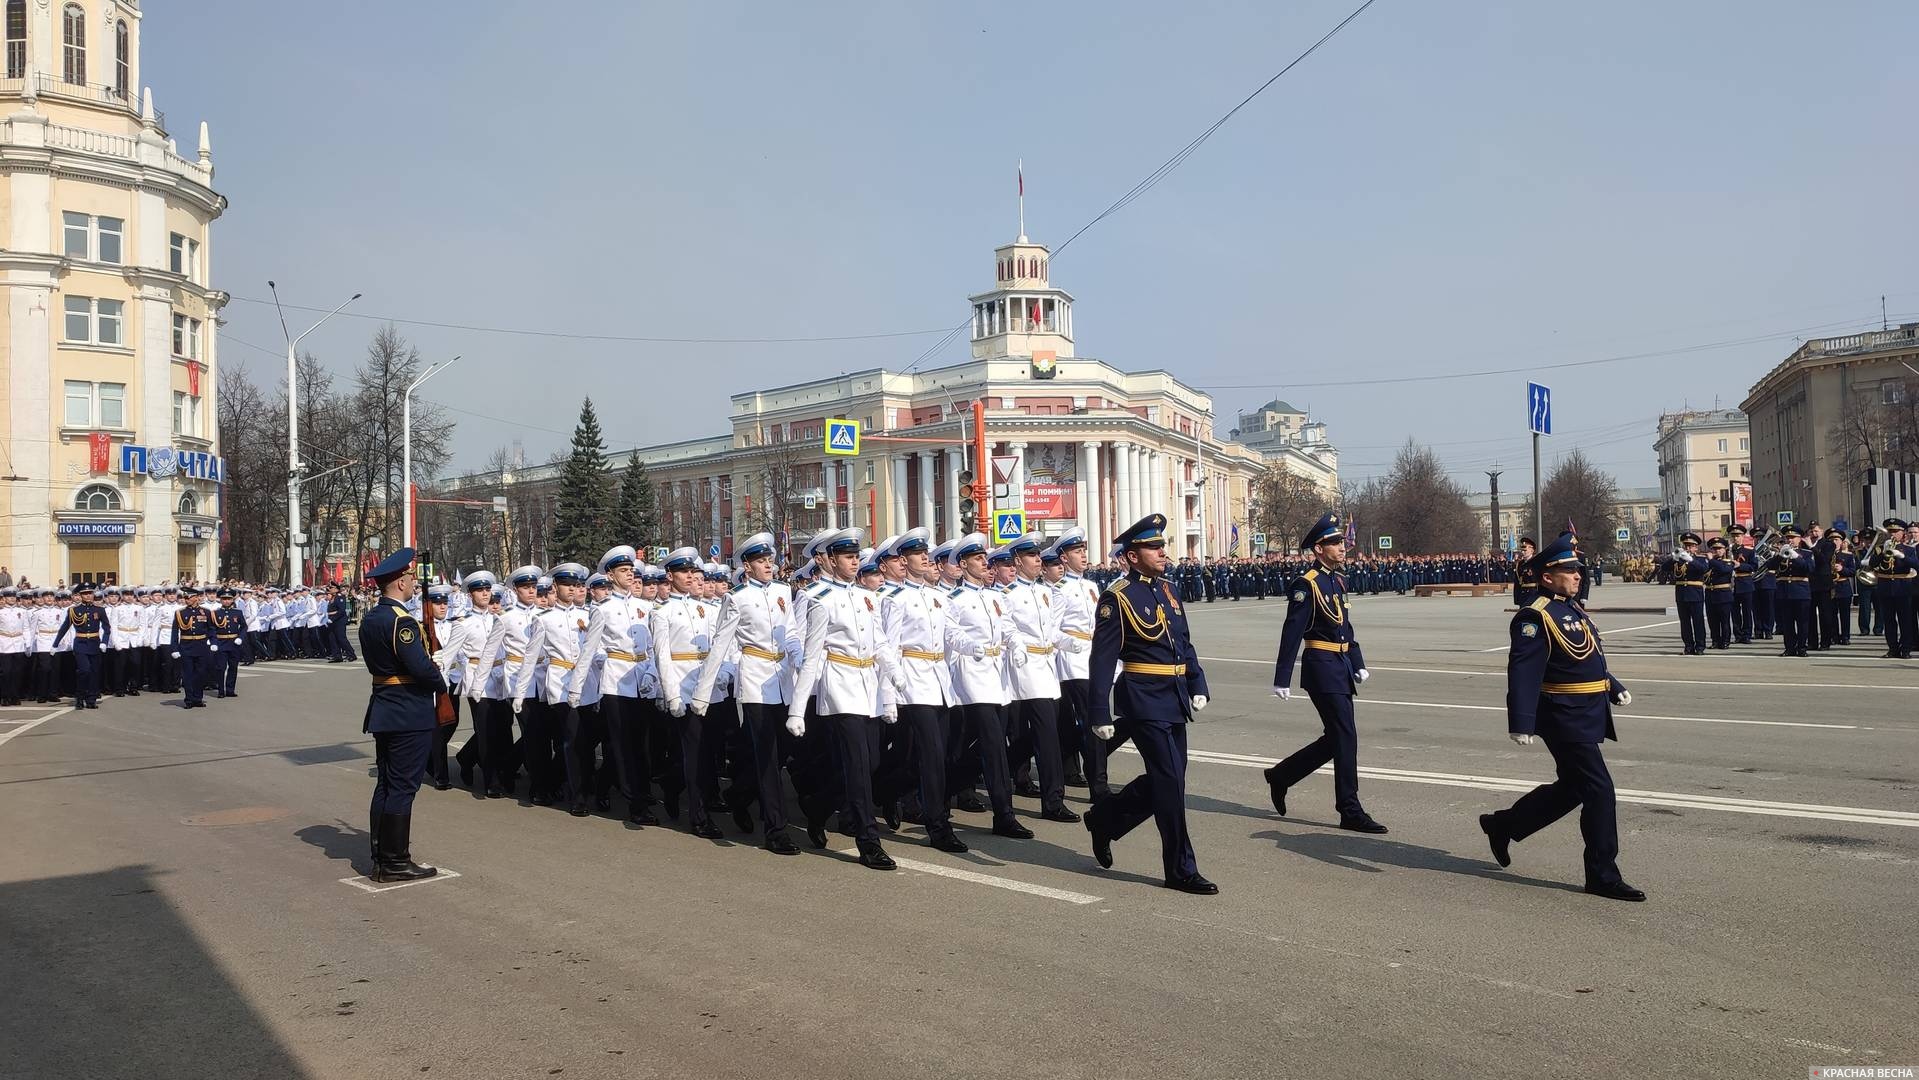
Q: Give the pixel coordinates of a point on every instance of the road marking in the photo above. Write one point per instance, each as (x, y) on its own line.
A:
(1730, 655)
(1628, 716)
(367, 884)
(1675, 682)
(6, 737)
(1762, 807)
(988, 879)
(1608, 633)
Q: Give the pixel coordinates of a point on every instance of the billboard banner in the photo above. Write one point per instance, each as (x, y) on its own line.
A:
(1742, 503)
(1051, 470)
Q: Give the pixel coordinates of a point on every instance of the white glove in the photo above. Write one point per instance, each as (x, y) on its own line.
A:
(573, 701)
(979, 652)
(1072, 645)
(1283, 693)
(1019, 658)
(891, 714)
(676, 708)
(1521, 738)
(517, 704)
(176, 656)
(1199, 701)
(1682, 556)
(212, 647)
(697, 708)
(796, 726)
(1103, 731)
(1623, 697)
(1362, 675)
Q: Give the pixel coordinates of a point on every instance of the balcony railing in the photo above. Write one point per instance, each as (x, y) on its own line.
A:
(51, 86)
(1868, 342)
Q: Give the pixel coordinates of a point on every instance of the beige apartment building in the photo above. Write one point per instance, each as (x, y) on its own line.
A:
(1812, 433)
(1703, 454)
(1080, 442)
(108, 321)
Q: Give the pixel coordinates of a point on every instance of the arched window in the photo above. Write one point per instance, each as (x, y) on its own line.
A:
(16, 39)
(122, 60)
(97, 497)
(73, 23)
(1022, 268)
(189, 502)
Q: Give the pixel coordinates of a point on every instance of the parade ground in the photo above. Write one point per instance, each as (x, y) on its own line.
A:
(181, 896)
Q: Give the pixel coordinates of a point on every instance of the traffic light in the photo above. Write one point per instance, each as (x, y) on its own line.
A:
(968, 506)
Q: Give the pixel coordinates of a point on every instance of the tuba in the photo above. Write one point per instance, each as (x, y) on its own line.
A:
(1864, 576)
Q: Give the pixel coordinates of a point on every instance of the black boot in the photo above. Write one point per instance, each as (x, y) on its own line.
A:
(396, 861)
(873, 856)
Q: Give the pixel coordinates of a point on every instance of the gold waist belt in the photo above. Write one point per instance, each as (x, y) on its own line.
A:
(1329, 646)
(1794, 579)
(1132, 668)
(1040, 650)
(1597, 686)
(1080, 634)
(515, 657)
(563, 665)
(392, 680)
(1728, 585)
(992, 650)
(689, 656)
(922, 654)
(621, 654)
(763, 654)
(850, 661)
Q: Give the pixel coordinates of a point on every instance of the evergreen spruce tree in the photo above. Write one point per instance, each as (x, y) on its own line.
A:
(636, 518)
(583, 521)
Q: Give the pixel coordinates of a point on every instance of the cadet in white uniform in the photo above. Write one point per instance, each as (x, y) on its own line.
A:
(978, 632)
(618, 634)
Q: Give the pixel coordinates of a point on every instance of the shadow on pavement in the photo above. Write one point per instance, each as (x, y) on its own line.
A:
(342, 843)
(113, 983)
(330, 750)
(1356, 851)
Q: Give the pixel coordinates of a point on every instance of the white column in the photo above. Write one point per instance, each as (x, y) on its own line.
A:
(713, 493)
(830, 482)
(1123, 486)
(1085, 489)
(926, 491)
(897, 518)
(953, 460)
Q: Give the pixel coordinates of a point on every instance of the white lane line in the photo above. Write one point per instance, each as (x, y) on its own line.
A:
(6, 737)
(988, 879)
(1628, 716)
(1762, 807)
(1636, 679)
(367, 884)
(1604, 632)
(1769, 656)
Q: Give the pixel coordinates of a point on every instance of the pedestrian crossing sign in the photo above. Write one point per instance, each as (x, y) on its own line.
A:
(843, 437)
(1008, 526)
(1784, 518)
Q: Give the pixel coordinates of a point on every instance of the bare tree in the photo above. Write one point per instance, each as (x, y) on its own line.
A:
(776, 481)
(1579, 493)
(1285, 505)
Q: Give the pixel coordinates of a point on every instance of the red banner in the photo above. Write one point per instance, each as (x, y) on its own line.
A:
(1742, 503)
(99, 449)
(1053, 501)
(193, 377)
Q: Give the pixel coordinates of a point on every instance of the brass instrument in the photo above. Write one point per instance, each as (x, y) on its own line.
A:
(1764, 550)
(1864, 576)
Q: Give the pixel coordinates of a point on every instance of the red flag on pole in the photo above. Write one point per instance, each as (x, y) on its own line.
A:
(1035, 315)
(193, 377)
(99, 449)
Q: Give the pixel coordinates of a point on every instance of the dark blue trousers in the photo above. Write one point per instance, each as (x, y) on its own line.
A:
(191, 665)
(1692, 623)
(1339, 745)
(1585, 783)
(1795, 618)
(1158, 793)
(86, 678)
(1765, 612)
(227, 663)
(399, 762)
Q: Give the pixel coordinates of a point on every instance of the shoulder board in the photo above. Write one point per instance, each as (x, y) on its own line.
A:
(741, 587)
(1116, 585)
(890, 589)
(1540, 604)
(955, 592)
(1312, 574)
(816, 589)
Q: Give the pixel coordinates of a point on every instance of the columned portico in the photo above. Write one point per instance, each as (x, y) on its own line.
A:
(926, 489)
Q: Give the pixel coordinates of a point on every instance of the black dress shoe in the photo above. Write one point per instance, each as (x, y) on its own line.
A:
(1059, 813)
(1075, 780)
(779, 843)
(709, 831)
(1196, 885)
(1027, 790)
(1012, 829)
(743, 819)
(1101, 792)
(496, 793)
(816, 833)
(1278, 794)
(466, 776)
(1617, 890)
(642, 817)
(442, 785)
(873, 856)
(1501, 843)
(602, 804)
(1364, 823)
(949, 843)
(970, 803)
(892, 814)
(577, 810)
(1102, 844)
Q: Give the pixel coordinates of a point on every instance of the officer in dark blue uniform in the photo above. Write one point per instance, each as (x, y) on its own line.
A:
(1146, 682)
(230, 635)
(399, 715)
(1689, 593)
(1330, 670)
(193, 646)
(1719, 588)
(1745, 573)
(91, 633)
(1558, 689)
(1795, 592)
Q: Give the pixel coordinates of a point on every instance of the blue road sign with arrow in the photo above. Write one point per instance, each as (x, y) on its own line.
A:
(1539, 409)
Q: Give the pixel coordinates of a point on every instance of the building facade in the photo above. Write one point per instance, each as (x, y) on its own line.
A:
(1813, 437)
(1075, 441)
(1636, 509)
(1703, 454)
(108, 323)
(1286, 436)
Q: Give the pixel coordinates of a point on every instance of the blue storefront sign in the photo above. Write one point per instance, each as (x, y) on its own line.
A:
(93, 528)
(161, 462)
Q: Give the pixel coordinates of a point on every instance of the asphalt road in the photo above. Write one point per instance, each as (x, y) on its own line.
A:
(172, 903)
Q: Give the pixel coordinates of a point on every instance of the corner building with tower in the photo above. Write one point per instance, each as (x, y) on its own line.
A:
(107, 389)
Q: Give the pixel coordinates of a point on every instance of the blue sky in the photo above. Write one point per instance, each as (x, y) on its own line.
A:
(1442, 188)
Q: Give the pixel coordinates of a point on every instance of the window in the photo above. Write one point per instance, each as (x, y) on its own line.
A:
(94, 322)
(92, 238)
(186, 414)
(122, 60)
(186, 337)
(113, 404)
(1725, 495)
(1722, 446)
(1744, 443)
(1892, 393)
(189, 502)
(74, 55)
(97, 497)
(183, 256)
(79, 404)
(16, 39)
(1723, 473)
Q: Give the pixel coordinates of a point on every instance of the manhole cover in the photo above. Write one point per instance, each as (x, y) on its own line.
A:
(240, 815)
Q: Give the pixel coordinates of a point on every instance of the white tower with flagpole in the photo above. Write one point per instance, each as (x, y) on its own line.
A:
(1023, 315)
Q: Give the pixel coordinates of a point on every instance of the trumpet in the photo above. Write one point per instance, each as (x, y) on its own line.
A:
(1865, 576)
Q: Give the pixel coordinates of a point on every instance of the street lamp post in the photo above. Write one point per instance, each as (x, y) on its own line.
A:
(295, 574)
(406, 447)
